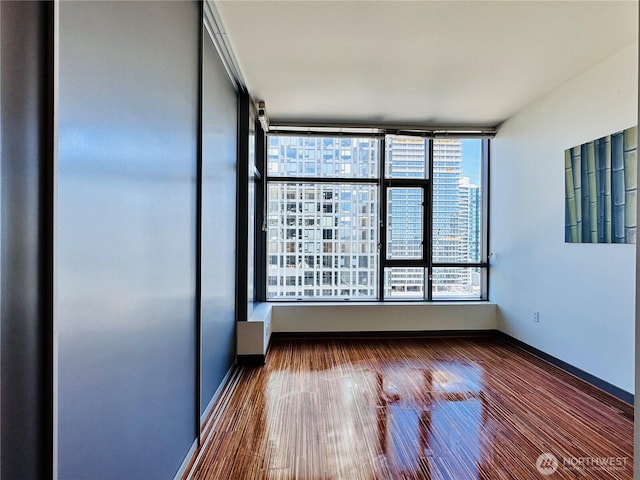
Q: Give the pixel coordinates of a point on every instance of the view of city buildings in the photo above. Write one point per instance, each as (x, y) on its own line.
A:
(324, 218)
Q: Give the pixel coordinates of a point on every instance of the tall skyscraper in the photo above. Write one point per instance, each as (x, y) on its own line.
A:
(470, 234)
(470, 219)
(447, 239)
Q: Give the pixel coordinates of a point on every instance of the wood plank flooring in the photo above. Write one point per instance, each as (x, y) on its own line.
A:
(429, 408)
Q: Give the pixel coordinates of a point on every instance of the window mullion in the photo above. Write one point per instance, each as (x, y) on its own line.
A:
(382, 212)
(428, 221)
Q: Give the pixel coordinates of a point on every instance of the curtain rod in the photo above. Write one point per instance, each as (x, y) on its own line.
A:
(364, 129)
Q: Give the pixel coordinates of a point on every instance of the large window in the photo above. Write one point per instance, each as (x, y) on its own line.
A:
(395, 217)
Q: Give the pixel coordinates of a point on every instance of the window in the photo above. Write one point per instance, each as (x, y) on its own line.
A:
(405, 222)
(352, 219)
(458, 219)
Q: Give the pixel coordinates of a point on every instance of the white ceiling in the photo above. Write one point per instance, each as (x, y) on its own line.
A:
(434, 63)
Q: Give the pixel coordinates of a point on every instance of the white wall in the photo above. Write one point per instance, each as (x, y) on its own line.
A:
(585, 293)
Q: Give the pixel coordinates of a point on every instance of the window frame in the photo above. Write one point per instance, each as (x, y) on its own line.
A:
(407, 182)
(383, 184)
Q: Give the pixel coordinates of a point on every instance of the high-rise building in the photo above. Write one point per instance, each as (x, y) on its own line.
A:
(322, 237)
(469, 211)
(470, 219)
(447, 237)
(406, 157)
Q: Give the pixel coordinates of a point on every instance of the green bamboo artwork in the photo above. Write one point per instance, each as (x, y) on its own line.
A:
(601, 189)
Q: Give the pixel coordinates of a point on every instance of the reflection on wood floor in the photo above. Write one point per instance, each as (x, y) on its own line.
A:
(412, 409)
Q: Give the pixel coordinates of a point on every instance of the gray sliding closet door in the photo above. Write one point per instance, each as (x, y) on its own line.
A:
(219, 131)
(125, 244)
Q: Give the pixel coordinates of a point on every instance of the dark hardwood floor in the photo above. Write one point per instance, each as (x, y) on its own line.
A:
(429, 408)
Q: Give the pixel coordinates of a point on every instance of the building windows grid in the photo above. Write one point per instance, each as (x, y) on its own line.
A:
(325, 201)
(335, 247)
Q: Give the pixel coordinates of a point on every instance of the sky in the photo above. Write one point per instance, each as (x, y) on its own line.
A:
(471, 159)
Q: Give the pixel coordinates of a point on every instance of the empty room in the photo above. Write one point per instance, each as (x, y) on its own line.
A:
(318, 239)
